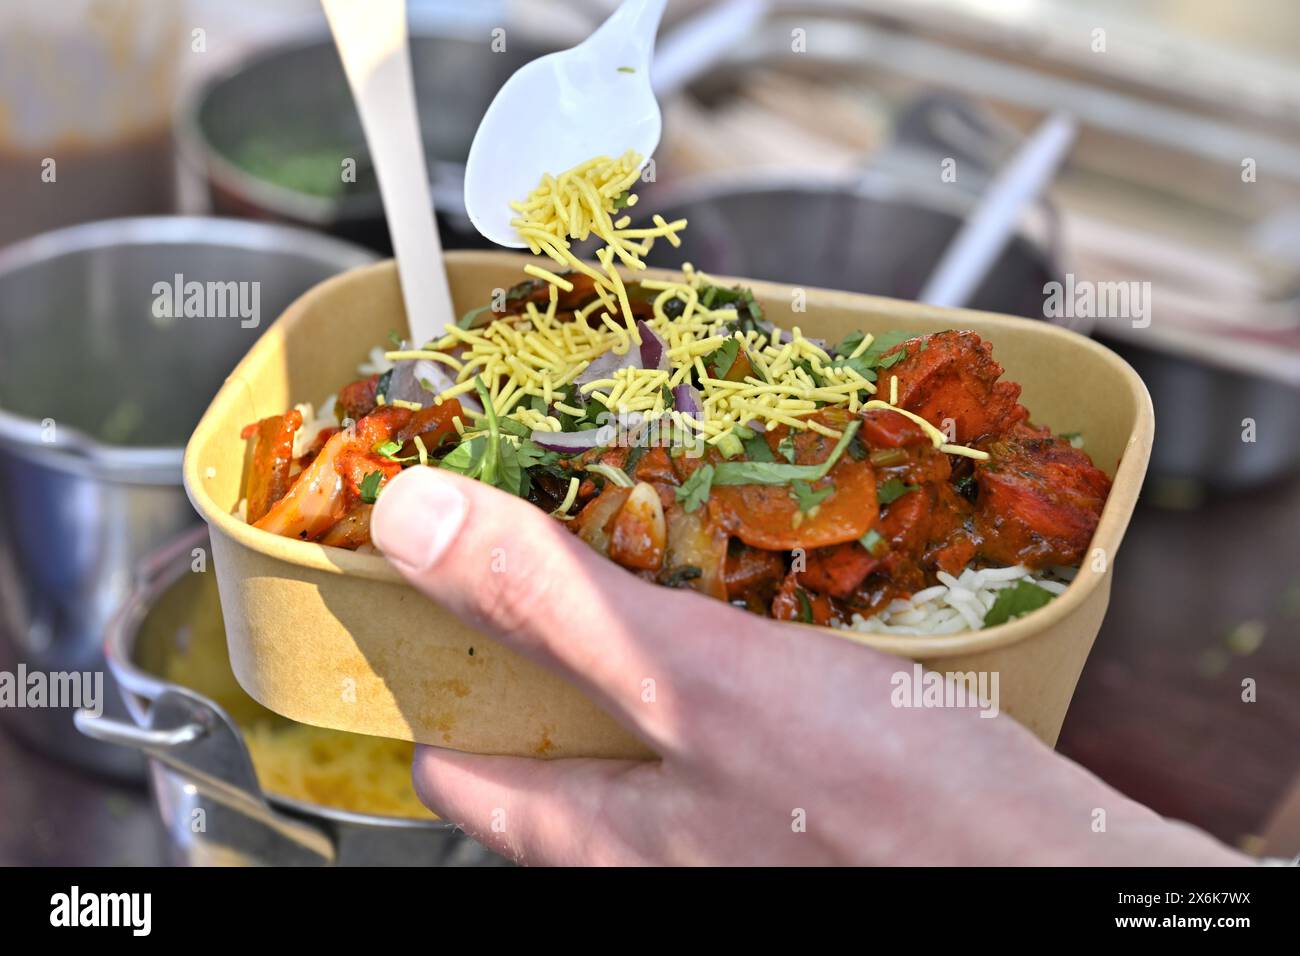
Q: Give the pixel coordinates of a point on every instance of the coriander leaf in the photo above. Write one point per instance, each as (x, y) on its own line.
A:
(757, 449)
(468, 318)
(381, 387)
(394, 338)
(695, 489)
(531, 455)
(512, 427)
(627, 69)
(370, 487)
(620, 201)
(874, 355)
(892, 359)
(466, 458)
(775, 473)
(808, 496)
(389, 450)
(1026, 596)
(893, 489)
(723, 358)
(786, 447)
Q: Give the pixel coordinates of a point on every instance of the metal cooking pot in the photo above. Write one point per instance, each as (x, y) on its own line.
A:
(207, 790)
(1201, 409)
(870, 234)
(97, 399)
(293, 99)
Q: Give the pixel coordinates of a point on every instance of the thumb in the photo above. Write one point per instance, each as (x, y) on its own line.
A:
(502, 564)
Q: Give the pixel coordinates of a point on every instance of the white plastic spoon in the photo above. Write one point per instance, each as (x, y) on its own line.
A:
(561, 110)
(371, 40)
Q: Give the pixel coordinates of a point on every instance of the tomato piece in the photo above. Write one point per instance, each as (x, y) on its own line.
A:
(769, 516)
(839, 570)
(882, 428)
(268, 474)
(753, 575)
(793, 603)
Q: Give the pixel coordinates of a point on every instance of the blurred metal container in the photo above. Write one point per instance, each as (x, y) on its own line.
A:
(864, 235)
(1202, 410)
(293, 101)
(207, 791)
(98, 396)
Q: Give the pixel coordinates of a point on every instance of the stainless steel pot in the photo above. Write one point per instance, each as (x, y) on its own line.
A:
(291, 100)
(869, 234)
(205, 784)
(1202, 410)
(97, 399)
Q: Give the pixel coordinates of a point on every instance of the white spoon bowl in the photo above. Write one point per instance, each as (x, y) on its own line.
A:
(563, 109)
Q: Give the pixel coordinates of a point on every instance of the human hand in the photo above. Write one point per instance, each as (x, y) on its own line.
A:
(778, 745)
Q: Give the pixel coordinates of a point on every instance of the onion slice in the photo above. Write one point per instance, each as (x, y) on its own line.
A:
(687, 400)
(569, 443)
(654, 351)
(605, 365)
(406, 384)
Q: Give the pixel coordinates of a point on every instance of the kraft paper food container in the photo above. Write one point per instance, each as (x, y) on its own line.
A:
(338, 639)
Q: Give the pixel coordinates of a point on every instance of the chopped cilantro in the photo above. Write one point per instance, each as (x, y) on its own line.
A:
(874, 356)
(776, 473)
(468, 318)
(757, 449)
(627, 69)
(723, 358)
(808, 496)
(893, 489)
(370, 487)
(1026, 596)
(695, 489)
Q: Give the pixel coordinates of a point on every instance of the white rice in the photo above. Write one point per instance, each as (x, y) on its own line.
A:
(376, 364)
(956, 603)
(313, 423)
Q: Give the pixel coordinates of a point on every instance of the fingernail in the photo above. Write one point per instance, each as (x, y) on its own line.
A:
(417, 516)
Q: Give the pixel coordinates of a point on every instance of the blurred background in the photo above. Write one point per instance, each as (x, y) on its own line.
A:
(839, 144)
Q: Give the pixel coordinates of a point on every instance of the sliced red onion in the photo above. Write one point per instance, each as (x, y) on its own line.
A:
(756, 426)
(686, 399)
(607, 364)
(409, 376)
(654, 352)
(570, 442)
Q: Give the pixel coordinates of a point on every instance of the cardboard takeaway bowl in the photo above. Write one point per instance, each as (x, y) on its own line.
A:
(338, 639)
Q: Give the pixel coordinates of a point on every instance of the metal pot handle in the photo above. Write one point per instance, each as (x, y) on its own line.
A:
(153, 742)
(193, 737)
